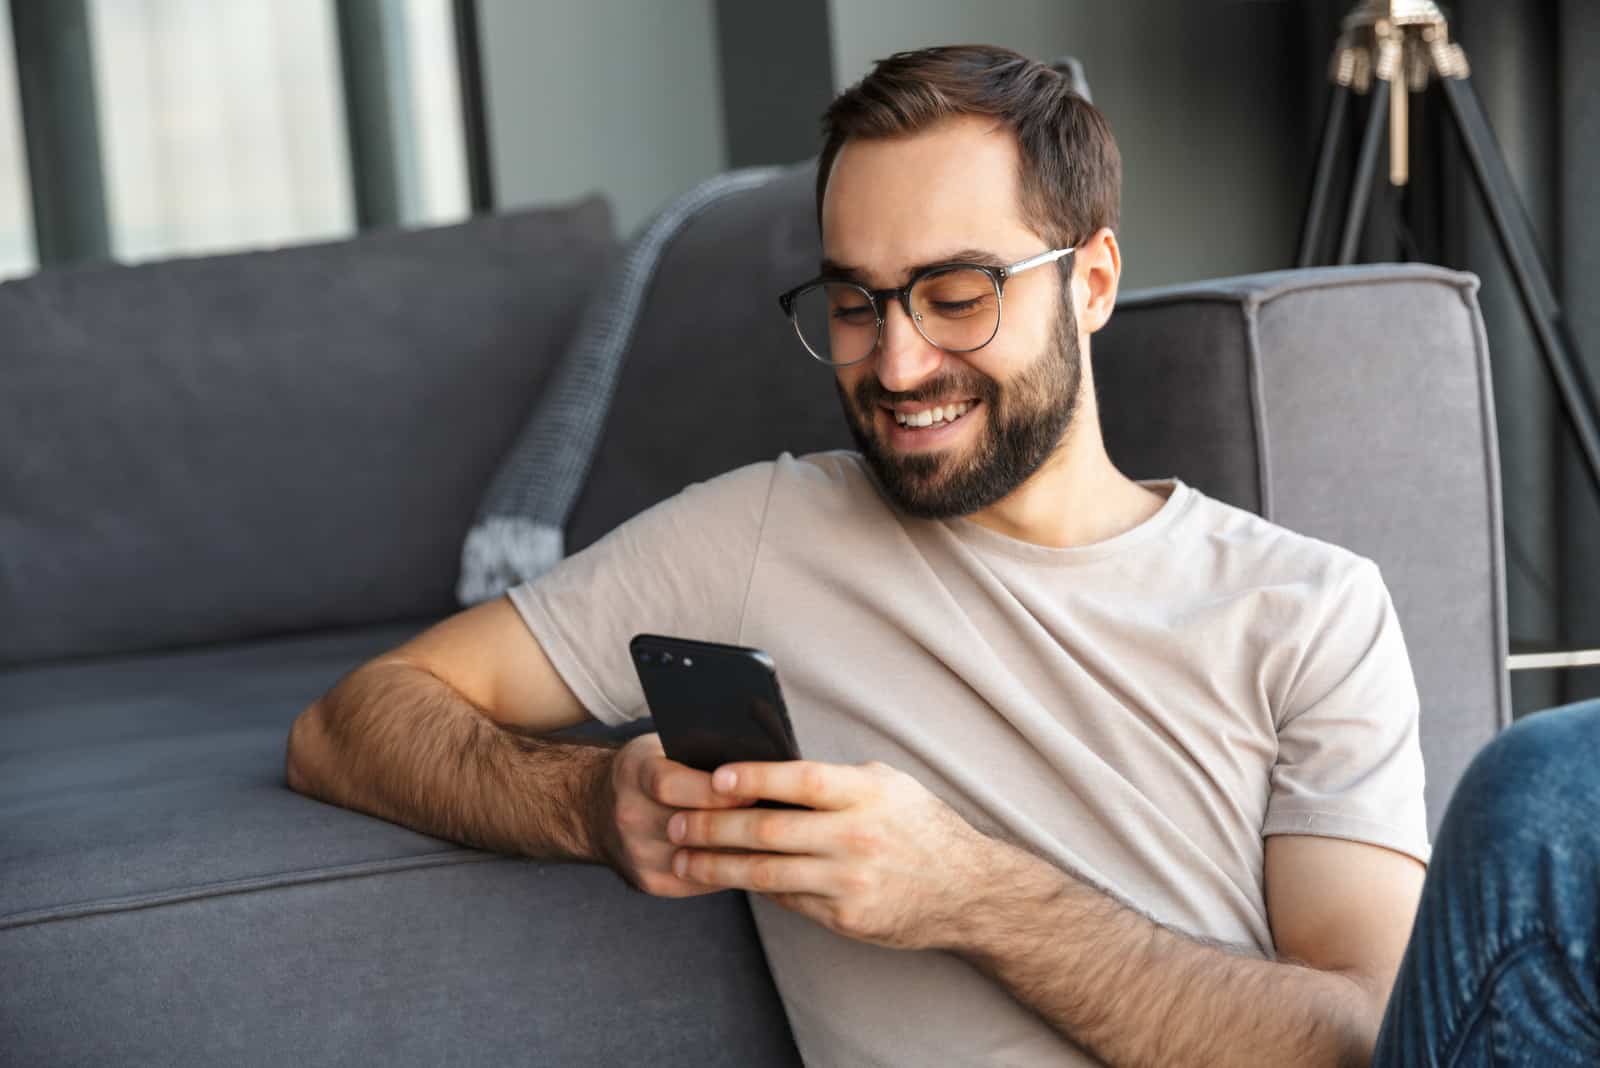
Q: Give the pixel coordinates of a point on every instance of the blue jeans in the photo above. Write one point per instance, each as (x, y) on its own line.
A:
(1503, 968)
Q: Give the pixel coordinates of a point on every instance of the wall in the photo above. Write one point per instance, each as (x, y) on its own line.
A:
(16, 210)
(1532, 68)
(777, 78)
(1205, 99)
(1216, 149)
(1577, 268)
(614, 95)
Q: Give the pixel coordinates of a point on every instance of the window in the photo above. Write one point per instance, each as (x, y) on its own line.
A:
(434, 190)
(16, 217)
(220, 124)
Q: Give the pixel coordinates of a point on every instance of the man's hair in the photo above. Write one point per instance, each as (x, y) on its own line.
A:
(1071, 180)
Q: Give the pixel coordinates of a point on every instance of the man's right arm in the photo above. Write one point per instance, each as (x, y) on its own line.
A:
(443, 735)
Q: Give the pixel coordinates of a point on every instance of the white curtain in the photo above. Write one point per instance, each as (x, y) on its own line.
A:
(16, 220)
(435, 166)
(220, 124)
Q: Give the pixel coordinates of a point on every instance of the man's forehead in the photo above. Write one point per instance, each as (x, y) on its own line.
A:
(894, 202)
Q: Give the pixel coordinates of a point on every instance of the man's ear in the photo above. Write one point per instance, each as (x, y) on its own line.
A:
(1096, 270)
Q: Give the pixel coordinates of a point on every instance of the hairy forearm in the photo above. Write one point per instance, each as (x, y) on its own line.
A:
(394, 741)
(1135, 993)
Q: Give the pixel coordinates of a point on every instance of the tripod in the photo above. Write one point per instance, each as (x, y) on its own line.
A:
(1392, 48)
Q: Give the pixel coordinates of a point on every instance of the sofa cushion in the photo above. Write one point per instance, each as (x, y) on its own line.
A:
(715, 377)
(142, 779)
(218, 448)
(518, 534)
(153, 865)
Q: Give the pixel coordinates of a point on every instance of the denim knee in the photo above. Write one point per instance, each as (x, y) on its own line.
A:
(1538, 782)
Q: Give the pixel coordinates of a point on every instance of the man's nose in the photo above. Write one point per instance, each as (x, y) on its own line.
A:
(906, 359)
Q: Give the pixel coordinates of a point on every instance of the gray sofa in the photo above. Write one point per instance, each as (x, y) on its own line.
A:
(225, 482)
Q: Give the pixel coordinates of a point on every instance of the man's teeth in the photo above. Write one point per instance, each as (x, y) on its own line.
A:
(931, 416)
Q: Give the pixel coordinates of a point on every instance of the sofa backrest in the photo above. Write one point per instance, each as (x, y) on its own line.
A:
(715, 377)
(212, 449)
(1349, 404)
(1355, 405)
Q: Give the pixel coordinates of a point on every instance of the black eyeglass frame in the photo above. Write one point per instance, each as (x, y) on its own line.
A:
(879, 298)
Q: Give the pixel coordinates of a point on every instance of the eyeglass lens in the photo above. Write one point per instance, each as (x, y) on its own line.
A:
(957, 309)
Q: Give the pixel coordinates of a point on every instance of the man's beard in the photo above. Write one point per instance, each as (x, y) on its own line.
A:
(1025, 424)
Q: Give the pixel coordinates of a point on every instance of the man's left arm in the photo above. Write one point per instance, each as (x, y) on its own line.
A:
(882, 860)
(1135, 992)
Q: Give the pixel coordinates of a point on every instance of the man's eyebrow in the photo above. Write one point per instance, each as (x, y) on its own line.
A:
(846, 272)
(834, 269)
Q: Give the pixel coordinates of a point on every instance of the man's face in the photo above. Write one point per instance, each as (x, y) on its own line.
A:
(892, 205)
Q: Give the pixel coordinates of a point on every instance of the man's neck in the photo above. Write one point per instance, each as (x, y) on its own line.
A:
(1077, 498)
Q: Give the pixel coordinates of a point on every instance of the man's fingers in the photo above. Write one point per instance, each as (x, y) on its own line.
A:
(771, 873)
(800, 782)
(654, 867)
(758, 829)
(678, 786)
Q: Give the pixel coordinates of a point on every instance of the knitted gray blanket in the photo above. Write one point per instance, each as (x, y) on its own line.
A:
(517, 535)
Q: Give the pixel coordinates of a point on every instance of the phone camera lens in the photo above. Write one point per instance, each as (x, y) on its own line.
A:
(666, 658)
(644, 658)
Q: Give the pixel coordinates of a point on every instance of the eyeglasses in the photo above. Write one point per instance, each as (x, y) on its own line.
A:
(955, 306)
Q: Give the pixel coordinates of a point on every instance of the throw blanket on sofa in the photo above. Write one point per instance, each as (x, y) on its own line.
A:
(518, 531)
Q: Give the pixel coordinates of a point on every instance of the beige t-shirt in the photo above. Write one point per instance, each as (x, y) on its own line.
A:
(1142, 710)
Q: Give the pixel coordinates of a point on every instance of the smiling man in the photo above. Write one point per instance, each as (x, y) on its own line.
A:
(1098, 769)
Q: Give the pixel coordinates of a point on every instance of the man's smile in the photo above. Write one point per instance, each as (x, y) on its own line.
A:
(914, 427)
(922, 415)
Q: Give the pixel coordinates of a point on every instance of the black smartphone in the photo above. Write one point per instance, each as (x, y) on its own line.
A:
(714, 704)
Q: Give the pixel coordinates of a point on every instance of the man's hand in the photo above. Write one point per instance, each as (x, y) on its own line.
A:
(641, 793)
(880, 859)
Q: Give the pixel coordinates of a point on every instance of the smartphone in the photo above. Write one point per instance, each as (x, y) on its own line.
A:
(714, 704)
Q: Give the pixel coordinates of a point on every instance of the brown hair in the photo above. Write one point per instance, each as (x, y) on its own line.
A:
(1071, 180)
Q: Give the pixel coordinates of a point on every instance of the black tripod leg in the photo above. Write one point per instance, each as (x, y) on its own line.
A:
(1521, 250)
(1317, 207)
(1366, 172)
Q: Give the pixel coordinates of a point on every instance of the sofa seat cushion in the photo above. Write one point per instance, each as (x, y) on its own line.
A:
(225, 447)
(143, 779)
(152, 861)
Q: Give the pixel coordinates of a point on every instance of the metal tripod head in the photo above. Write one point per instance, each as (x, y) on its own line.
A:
(1403, 42)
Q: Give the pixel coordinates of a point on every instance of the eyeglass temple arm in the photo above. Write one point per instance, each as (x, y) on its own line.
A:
(1039, 260)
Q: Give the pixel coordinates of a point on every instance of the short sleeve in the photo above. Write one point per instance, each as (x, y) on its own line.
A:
(1349, 754)
(680, 568)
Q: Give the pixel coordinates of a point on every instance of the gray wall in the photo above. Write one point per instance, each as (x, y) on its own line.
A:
(772, 97)
(1578, 269)
(1532, 65)
(1506, 46)
(642, 99)
(616, 95)
(1205, 98)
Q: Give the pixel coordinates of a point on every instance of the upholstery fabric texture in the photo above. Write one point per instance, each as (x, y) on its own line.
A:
(716, 377)
(518, 532)
(213, 449)
(165, 899)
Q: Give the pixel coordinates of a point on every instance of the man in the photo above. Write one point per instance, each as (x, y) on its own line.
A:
(1097, 769)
